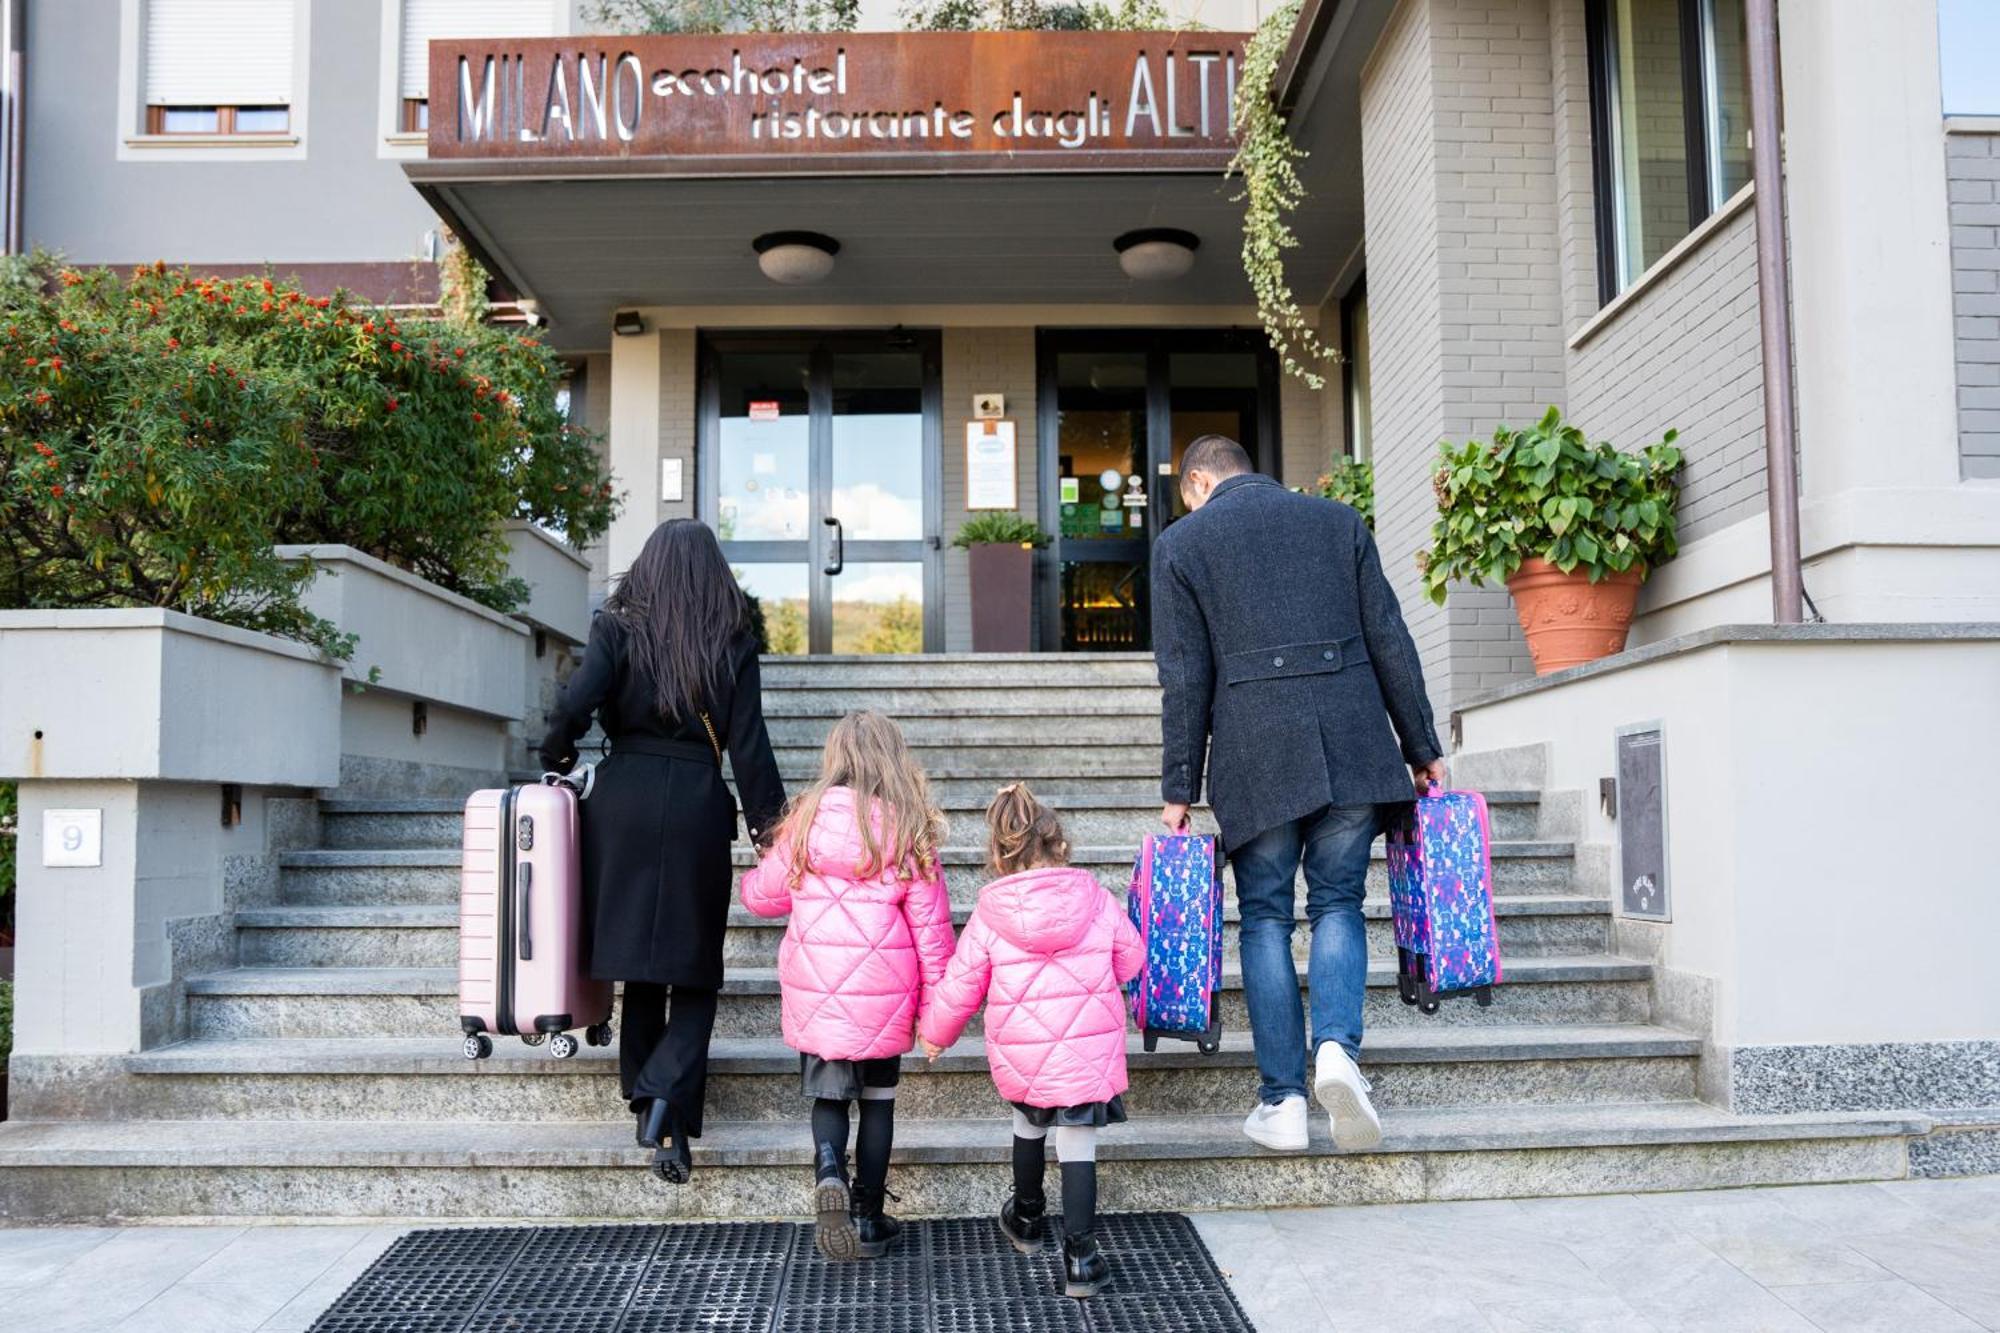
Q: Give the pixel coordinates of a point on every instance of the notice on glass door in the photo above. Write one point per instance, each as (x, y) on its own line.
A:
(990, 480)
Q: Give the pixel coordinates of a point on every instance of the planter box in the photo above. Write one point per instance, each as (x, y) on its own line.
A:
(558, 578)
(1003, 598)
(415, 638)
(151, 694)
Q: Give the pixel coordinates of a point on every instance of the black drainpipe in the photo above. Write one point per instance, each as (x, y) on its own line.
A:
(1774, 307)
(13, 117)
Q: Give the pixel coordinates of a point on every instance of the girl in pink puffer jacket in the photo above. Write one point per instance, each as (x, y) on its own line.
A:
(1047, 949)
(855, 863)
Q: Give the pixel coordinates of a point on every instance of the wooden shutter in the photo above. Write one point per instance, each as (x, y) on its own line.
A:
(425, 20)
(218, 52)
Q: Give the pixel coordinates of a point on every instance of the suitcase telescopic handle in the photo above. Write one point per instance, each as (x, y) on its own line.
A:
(526, 880)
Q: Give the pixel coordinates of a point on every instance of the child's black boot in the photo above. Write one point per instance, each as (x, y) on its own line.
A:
(1085, 1269)
(1023, 1221)
(874, 1230)
(833, 1235)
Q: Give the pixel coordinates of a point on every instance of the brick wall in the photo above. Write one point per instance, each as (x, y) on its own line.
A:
(1576, 206)
(1684, 354)
(1310, 427)
(981, 361)
(1972, 172)
(1465, 280)
(678, 408)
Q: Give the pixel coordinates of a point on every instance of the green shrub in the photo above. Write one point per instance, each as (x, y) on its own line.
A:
(6, 1023)
(995, 528)
(10, 842)
(160, 433)
(1350, 481)
(1549, 492)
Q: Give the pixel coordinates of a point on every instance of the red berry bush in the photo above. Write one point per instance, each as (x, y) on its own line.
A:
(161, 432)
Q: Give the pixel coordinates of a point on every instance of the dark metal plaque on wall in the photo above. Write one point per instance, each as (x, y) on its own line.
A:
(1642, 822)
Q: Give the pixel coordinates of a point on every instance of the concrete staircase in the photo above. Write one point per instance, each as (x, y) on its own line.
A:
(322, 1074)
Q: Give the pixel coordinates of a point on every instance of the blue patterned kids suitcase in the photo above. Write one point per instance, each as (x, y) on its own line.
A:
(1176, 905)
(1441, 891)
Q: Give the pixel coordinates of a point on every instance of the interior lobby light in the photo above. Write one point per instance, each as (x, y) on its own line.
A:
(795, 258)
(1156, 254)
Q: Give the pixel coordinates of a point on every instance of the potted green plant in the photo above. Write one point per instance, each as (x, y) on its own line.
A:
(1571, 527)
(1001, 549)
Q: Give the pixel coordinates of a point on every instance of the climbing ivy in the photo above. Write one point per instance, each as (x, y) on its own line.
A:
(1267, 160)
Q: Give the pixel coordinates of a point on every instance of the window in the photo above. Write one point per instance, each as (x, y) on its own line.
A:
(425, 21)
(218, 67)
(1356, 401)
(1670, 101)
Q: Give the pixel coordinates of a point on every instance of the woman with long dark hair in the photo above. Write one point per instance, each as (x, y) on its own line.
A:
(671, 673)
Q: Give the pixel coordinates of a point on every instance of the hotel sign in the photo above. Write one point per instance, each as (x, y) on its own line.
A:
(755, 103)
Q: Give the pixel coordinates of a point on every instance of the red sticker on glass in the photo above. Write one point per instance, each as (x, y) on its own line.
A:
(763, 409)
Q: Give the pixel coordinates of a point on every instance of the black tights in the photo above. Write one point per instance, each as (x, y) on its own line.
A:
(871, 1147)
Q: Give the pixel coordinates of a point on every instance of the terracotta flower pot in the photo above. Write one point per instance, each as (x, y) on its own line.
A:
(1569, 620)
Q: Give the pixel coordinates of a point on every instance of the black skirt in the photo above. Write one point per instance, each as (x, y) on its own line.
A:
(843, 1080)
(1088, 1115)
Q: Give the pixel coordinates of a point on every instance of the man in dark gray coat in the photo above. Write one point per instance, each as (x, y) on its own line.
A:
(1284, 661)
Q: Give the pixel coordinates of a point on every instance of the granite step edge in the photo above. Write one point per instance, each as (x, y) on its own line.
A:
(238, 1145)
(752, 1055)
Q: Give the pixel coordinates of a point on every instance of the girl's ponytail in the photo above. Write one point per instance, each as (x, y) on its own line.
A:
(1022, 833)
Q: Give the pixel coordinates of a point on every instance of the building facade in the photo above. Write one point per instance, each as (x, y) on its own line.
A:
(836, 294)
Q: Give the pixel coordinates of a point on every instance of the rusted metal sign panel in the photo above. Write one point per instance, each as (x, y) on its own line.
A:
(754, 103)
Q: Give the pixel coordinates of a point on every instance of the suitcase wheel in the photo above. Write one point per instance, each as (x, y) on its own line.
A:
(1208, 1045)
(598, 1034)
(478, 1045)
(532, 1038)
(562, 1046)
(1428, 1007)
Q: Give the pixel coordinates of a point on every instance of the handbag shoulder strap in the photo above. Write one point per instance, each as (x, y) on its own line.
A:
(709, 727)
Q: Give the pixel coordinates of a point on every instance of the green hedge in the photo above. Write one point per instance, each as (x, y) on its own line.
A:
(161, 432)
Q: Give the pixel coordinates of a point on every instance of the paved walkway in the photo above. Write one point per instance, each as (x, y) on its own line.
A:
(1907, 1257)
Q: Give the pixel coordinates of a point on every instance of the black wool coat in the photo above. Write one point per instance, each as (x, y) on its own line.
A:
(1278, 637)
(658, 826)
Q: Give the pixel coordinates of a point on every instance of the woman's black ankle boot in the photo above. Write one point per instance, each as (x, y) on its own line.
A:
(1024, 1221)
(652, 1118)
(1085, 1269)
(673, 1162)
(874, 1229)
(833, 1229)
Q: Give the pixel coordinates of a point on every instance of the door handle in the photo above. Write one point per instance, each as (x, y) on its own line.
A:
(838, 560)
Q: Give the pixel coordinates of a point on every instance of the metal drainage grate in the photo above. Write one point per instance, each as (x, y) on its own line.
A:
(956, 1275)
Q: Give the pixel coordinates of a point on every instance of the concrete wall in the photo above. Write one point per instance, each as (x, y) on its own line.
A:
(982, 361)
(1813, 885)
(341, 201)
(1972, 165)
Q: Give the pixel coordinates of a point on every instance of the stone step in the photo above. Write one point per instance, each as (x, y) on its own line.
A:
(757, 1078)
(963, 669)
(426, 934)
(946, 729)
(1094, 809)
(417, 874)
(213, 1169)
(403, 1002)
(917, 695)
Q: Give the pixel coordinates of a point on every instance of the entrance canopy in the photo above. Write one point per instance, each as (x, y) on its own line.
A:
(592, 174)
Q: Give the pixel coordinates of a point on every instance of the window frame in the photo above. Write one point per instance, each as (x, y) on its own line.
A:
(139, 141)
(396, 137)
(225, 120)
(1700, 98)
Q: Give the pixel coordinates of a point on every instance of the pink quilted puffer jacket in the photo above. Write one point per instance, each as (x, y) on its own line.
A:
(1047, 950)
(859, 954)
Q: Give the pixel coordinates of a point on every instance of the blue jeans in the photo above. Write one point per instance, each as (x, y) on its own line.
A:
(1334, 847)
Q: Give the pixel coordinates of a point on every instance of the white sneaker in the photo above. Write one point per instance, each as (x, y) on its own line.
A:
(1341, 1089)
(1282, 1126)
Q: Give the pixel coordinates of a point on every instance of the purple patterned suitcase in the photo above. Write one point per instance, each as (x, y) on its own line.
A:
(1176, 905)
(1441, 890)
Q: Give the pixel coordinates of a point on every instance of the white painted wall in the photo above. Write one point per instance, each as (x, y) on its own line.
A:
(1827, 866)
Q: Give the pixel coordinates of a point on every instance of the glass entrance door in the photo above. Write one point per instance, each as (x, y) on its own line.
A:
(819, 458)
(1122, 408)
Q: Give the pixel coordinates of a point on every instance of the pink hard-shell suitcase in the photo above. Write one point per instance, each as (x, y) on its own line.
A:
(520, 924)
